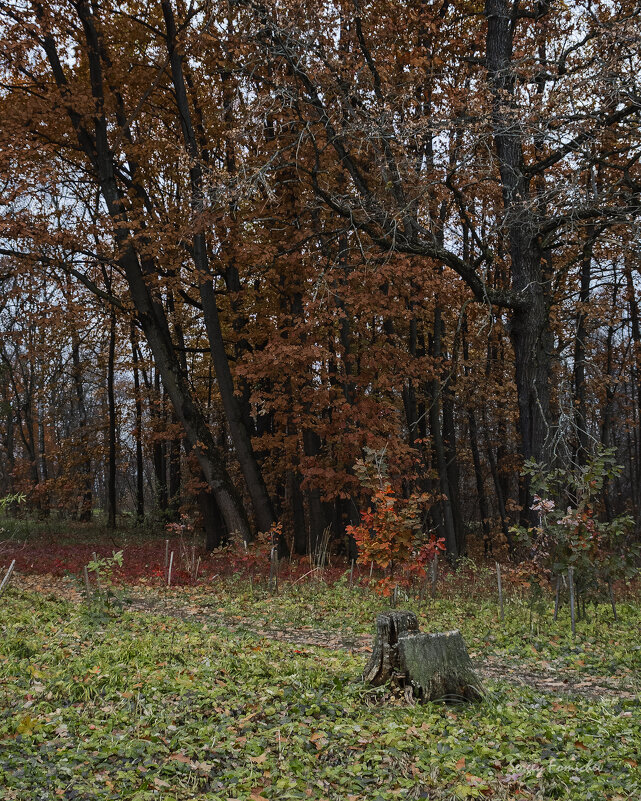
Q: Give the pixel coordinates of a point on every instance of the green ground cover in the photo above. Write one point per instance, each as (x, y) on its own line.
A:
(133, 705)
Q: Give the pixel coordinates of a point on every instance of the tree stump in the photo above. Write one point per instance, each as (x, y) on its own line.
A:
(438, 667)
(435, 666)
(383, 663)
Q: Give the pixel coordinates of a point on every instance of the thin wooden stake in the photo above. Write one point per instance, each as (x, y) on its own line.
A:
(614, 607)
(171, 563)
(85, 575)
(371, 569)
(7, 576)
(423, 592)
(434, 574)
(98, 586)
(572, 614)
(351, 575)
(273, 572)
(197, 566)
(557, 596)
(500, 586)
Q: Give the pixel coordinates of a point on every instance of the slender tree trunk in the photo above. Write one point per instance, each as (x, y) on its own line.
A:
(440, 456)
(94, 143)
(484, 509)
(256, 486)
(635, 330)
(580, 405)
(174, 477)
(86, 501)
(9, 445)
(42, 459)
(140, 477)
(111, 403)
(159, 450)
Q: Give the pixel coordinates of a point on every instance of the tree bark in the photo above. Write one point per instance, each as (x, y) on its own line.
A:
(530, 327)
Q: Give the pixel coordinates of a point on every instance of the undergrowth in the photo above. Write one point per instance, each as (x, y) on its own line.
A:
(142, 706)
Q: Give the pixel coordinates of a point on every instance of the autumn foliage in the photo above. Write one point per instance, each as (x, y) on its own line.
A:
(243, 245)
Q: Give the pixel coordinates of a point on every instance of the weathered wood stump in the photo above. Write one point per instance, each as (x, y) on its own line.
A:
(435, 666)
(383, 663)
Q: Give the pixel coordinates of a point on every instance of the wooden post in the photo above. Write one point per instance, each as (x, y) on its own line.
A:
(423, 591)
(371, 569)
(612, 603)
(351, 575)
(197, 567)
(498, 581)
(557, 595)
(434, 574)
(7, 576)
(572, 611)
(171, 562)
(98, 587)
(273, 571)
(85, 575)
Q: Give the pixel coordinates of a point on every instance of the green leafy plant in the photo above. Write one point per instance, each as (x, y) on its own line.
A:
(9, 500)
(570, 532)
(105, 593)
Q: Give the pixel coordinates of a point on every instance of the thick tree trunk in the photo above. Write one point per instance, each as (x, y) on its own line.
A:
(532, 341)
(530, 327)
(216, 533)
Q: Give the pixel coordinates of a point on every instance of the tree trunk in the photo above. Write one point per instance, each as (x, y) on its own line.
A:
(530, 326)
(94, 142)
(484, 509)
(111, 402)
(159, 452)
(440, 456)
(580, 405)
(86, 503)
(256, 486)
(140, 485)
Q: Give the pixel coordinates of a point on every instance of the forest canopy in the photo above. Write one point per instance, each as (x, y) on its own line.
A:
(249, 248)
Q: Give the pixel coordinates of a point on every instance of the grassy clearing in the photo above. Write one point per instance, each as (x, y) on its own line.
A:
(143, 706)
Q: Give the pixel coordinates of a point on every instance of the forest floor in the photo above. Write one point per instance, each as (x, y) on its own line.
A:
(220, 690)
